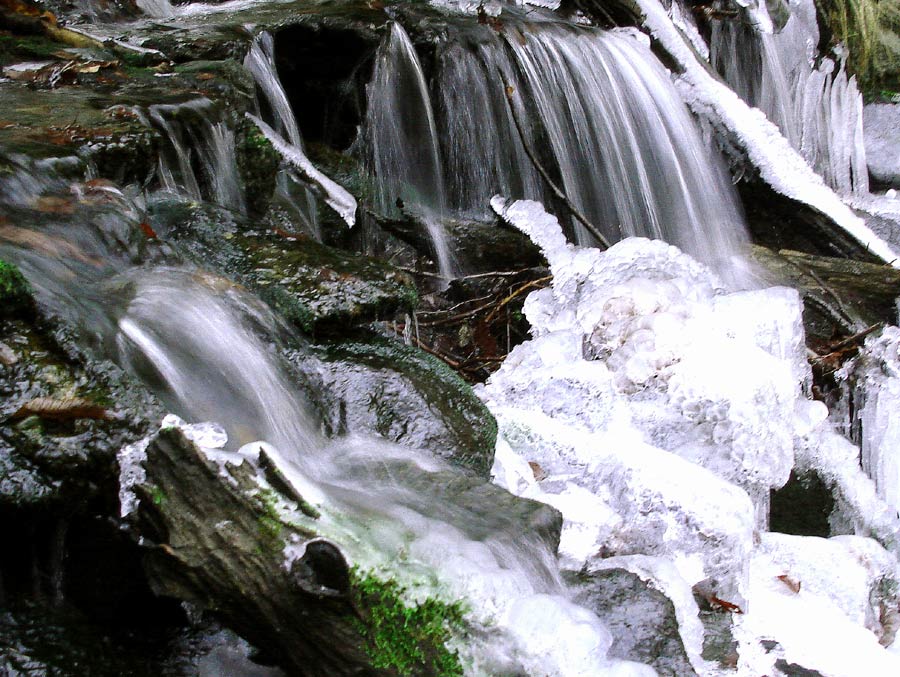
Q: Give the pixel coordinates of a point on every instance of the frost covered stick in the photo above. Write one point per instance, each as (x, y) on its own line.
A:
(334, 195)
(779, 164)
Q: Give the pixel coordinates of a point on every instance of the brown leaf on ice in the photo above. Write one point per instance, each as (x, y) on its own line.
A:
(790, 582)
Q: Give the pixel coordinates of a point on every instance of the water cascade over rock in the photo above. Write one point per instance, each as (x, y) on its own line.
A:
(600, 506)
(815, 104)
(402, 142)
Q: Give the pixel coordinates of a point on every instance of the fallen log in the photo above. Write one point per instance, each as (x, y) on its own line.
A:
(218, 542)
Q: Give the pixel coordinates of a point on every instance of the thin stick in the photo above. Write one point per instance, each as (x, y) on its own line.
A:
(518, 291)
(581, 218)
(849, 341)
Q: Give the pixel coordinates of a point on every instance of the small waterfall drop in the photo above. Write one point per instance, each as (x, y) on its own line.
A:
(402, 141)
(157, 9)
(602, 112)
(815, 104)
(197, 142)
(260, 61)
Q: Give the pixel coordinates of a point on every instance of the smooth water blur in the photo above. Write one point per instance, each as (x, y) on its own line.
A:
(402, 142)
(199, 159)
(817, 107)
(260, 61)
(213, 352)
(603, 115)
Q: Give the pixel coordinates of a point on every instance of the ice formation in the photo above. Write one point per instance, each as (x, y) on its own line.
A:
(779, 164)
(874, 379)
(660, 410)
(334, 195)
(813, 101)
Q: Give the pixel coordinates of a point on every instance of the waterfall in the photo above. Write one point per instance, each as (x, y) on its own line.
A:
(158, 9)
(214, 352)
(602, 112)
(195, 142)
(815, 104)
(260, 61)
(402, 141)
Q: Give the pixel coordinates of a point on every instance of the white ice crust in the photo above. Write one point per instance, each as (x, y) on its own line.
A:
(335, 195)
(780, 165)
(658, 410)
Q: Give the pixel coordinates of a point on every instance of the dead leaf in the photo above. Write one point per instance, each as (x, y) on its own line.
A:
(53, 204)
(536, 469)
(147, 230)
(205, 76)
(45, 244)
(66, 409)
(716, 602)
(790, 582)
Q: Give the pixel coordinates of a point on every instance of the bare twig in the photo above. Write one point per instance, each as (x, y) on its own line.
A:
(849, 341)
(581, 218)
(520, 290)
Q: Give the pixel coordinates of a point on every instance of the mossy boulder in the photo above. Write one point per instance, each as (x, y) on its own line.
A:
(318, 288)
(15, 293)
(376, 384)
(63, 418)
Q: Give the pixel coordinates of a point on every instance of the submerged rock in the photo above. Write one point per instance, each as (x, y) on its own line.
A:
(639, 613)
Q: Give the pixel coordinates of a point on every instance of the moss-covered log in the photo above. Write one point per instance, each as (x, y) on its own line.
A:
(219, 535)
(839, 294)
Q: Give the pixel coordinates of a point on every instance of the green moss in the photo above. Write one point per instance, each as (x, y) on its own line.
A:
(408, 639)
(158, 496)
(15, 293)
(871, 31)
(271, 524)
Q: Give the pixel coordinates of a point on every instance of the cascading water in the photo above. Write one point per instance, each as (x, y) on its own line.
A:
(604, 115)
(196, 140)
(815, 104)
(260, 61)
(402, 141)
(212, 353)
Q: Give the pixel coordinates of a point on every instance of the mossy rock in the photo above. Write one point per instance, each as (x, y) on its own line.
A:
(258, 163)
(320, 289)
(15, 293)
(60, 457)
(409, 639)
(372, 383)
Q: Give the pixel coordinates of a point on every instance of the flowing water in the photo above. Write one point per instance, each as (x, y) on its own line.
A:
(213, 352)
(814, 102)
(402, 143)
(260, 61)
(199, 161)
(603, 115)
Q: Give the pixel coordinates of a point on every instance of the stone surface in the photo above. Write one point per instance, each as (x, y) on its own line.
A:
(640, 617)
(380, 385)
(880, 124)
(318, 288)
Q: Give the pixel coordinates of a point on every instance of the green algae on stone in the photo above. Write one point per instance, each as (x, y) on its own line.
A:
(319, 289)
(15, 292)
(409, 639)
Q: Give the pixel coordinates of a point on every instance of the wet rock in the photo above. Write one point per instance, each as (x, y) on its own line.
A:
(15, 296)
(854, 291)
(52, 462)
(880, 122)
(318, 288)
(638, 612)
(483, 246)
(376, 384)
